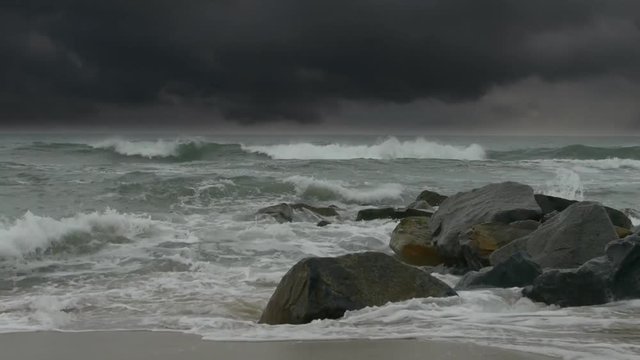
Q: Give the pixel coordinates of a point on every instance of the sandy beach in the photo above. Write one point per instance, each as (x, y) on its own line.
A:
(169, 346)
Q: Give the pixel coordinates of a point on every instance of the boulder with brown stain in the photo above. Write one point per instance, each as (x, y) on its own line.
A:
(411, 241)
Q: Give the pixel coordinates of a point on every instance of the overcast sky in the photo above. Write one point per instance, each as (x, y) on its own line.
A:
(387, 66)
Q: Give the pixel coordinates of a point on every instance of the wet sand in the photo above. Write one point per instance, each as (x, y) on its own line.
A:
(147, 345)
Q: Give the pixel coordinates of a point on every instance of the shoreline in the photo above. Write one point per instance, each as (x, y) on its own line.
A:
(166, 345)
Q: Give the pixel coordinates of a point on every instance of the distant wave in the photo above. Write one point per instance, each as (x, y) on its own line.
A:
(178, 149)
(326, 190)
(391, 148)
(578, 152)
(82, 233)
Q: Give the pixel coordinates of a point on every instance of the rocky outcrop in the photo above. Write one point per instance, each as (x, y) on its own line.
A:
(281, 213)
(420, 205)
(329, 211)
(390, 213)
(321, 288)
(431, 197)
(519, 270)
(287, 212)
(411, 241)
(622, 232)
(502, 203)
(484, 239)
(567, 240)
(549, 204)
(614, 276)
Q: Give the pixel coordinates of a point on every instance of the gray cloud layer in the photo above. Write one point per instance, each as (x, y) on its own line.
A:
(253, 61)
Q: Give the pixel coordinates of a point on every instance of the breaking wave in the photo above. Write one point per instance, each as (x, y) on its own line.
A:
(391, 148)
(326, 190)
(178, 149)
(82, 233)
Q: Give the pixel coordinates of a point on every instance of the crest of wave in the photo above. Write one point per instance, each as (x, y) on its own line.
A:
(148, 149)
(31, 233)
(391, 148)
(324, 190)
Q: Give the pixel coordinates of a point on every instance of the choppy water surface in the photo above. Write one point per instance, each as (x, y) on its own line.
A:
(148, 232)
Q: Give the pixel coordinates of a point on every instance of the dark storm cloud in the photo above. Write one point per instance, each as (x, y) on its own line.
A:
(254, 60)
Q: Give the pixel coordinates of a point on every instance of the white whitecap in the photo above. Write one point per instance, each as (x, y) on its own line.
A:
(391, 148)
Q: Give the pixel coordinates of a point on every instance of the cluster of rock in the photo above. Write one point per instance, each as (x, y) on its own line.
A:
(560, 251)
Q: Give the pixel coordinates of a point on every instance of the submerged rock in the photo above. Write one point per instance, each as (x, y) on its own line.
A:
(503, 203)
(324, 288)
(411, 241)
(485, 238)
(431, 197)
(568, 240)
(519, 270)
(322, 223)
(390, 213)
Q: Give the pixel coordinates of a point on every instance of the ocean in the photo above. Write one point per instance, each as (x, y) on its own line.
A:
(159, 232)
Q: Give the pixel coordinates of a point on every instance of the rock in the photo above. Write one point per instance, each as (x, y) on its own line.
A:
(568, 240)
(281, 212)
(484, 239)
(526, 224)
(624, 257)
(519, 270)
(411, 241)
(618, 218)
(569, 287)
(622, 232)
(546, 217)
(504, 202)
(420, 205)
(321, 288)
(432, 198)
(548, 204)
(389, 213)
(320, 211)
(323, 223)
(374, 214)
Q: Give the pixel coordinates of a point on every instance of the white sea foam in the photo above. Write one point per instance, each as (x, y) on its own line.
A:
(566, 184)
(31, 232)
(310, 187)
(391, 148)
(149, 149)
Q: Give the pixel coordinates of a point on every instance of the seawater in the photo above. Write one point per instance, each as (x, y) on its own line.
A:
(159, 232)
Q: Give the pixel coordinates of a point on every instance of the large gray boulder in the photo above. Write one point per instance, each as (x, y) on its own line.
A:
(503, 203)
(519, 270)
(567, 240)
(614, 276)
(324, 288)
(569, 287)
(411, 241)
(624, 257)
(549, 204)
